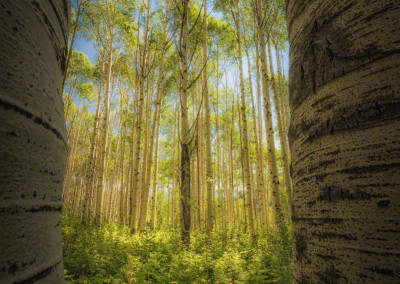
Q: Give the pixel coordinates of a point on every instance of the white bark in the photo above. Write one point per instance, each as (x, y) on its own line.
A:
(33, 50)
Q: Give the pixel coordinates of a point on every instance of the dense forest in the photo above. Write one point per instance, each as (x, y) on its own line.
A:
(167, 141)
(172, 129)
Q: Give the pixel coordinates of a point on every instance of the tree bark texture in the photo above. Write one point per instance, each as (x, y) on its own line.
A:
(33, 144)
(344, 138)
(185, 139)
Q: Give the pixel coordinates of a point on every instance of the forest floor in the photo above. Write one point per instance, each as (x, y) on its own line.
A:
(110, 254)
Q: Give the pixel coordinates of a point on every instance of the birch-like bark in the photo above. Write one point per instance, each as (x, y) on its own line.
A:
(33, 141)
(185, 140)
(136, 162)
(246, 156)
(272, 166)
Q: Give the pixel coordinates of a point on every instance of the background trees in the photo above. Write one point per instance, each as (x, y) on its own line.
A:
(155, 60)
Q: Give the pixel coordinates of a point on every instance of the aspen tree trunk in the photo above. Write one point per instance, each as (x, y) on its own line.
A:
(71, 47)
(128, 197)
(173, 189)
(246, 157)
(282, 99)
(226, 160)
(155, 129)
(135, 168)
(145, 175)
(155, 172)
(199, 163)
(160, 205)
(238, 200)
(245, 205)
(195, 212)
(153, 216)
(107, 180)
(118, 152)
(168, 202)
(209, 178)
(33, 143)
(282, 136)
(103, 148)
(90, 176)
(259, 158)
(285, 100)
(219, 203)
(344, 138)
(264, 192)
(231, 168)
(272, 166)
(131, 202)
(70, 165)
(185, 156)
(122, 196)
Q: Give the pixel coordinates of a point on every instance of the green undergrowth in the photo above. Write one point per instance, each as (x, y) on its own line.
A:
(110, 254)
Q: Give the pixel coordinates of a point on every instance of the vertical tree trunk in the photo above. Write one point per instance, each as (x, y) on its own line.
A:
(103, 148)
(282, 97)
(122, 195)
(69, 169)
(80, 5)
(209, 179)
(264, 192)
(218, 174)
(155, 172)
(227, 161)
(92, 165)
(155, 126)
(245, 204)
(185, 158)
(33, 142)
(344, 138)
(282, 136)
(145, 173)
(173, 189)
(259, 156)
(272, 166)
(231, 167)
(246, 156)
(135, 168)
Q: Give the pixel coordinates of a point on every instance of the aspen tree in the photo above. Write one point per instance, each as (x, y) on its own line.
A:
(209, 178)
(264, 193)
(146, 165)
(258, 146)
(246, 156)
(272, 166)
(185, 156)
(173, 189)
(282, 136)
(135, 168)
(104, 138)
(282, 98)
(92, 165)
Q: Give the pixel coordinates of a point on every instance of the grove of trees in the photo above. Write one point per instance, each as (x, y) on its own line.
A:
(180, 149)
(176, 121)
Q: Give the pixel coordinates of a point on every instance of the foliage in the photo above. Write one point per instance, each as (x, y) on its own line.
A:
(110, 254)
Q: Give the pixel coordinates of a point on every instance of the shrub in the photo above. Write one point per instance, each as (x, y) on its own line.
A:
(110, 254)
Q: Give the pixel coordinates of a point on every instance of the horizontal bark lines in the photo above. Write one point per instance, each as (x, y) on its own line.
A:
(344, 137)
(33, 145)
